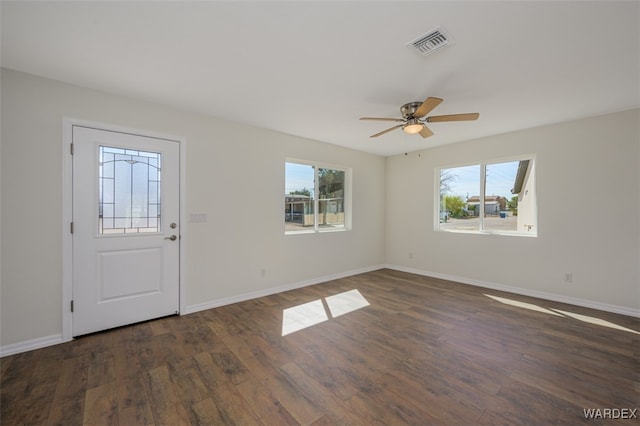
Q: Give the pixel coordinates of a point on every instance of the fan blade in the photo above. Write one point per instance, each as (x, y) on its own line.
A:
(427, 106)
(453, 117)
(426, 132)
(386, 131)
(399, 120)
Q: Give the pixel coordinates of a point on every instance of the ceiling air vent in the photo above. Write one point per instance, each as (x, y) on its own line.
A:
(428, 43)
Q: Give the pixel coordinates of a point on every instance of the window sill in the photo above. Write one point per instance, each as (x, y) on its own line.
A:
(485, 232)
(312, 231)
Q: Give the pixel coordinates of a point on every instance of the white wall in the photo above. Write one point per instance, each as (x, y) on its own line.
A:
(527, 207)
(235, 174)
(579, 165)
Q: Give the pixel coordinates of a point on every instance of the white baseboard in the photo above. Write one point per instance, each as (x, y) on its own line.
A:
(273, 290)
(623, 310)
(29, 345)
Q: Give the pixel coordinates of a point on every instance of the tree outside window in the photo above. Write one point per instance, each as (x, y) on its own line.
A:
(306, 212)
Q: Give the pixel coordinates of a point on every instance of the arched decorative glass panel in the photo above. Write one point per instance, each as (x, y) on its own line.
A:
(129, 191)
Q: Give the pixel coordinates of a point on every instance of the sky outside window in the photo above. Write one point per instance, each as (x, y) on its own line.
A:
(465, 181)
(298, 177)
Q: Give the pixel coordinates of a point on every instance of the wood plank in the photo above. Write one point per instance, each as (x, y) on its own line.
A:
(188, 383)
(101, 370)
(431, 407)
(139, 415)
(31, 406)
(231, 365)
(323, 399)
(232, 408)
(206, 412)
(337, 373)
(166, 405)
(4, 365)
(132, 398)
(32, 396)
(100, 405)
(522, 404)
(300, 406)
(266, 406)
(252, 357)
(67, 406)
(161, 326)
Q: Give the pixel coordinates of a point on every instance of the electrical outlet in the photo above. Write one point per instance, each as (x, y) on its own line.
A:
(568, 277)
(410, 255)
(263, 272)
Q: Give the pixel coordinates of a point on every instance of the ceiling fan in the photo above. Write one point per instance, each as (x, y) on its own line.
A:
(413, 121)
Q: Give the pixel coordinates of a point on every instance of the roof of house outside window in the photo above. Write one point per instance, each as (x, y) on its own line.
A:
(488, 199)
(522, 172)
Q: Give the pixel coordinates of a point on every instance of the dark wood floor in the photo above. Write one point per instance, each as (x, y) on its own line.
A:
(424, 351)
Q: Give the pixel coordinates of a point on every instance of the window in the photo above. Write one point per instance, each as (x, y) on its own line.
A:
(314, 199)
(129, 191)
(497, 198)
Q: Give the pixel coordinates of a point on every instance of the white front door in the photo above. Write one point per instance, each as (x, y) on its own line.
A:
(126, 228)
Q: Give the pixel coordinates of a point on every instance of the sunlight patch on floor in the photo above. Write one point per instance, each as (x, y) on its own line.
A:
(519, 304)
(312, 313)
(303, 316)
(560, 313)
(346, 302)
(597, 321)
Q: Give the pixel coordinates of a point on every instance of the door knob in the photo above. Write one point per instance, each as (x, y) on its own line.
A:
(172, 238)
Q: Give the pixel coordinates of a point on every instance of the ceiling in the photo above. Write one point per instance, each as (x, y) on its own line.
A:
(312, 68)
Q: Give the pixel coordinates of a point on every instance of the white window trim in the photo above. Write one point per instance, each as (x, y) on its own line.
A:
(348, 172)
(483, 168)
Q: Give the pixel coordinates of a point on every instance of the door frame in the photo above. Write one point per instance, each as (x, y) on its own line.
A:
(67, 212)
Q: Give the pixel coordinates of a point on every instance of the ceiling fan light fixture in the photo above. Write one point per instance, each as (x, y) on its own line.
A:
(412, 127)
(414, 117)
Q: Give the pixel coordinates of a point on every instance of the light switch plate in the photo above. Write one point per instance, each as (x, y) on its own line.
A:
(198, 217)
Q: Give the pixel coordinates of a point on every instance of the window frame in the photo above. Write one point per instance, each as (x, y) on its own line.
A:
(316, 229)
(482, 189)
(123, 231)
